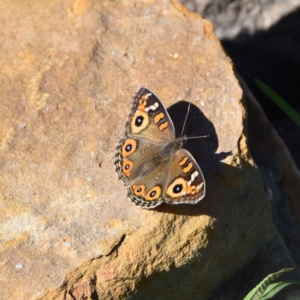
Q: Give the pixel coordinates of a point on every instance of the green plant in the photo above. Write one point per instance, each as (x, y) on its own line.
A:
(279, 101)
(267, 288)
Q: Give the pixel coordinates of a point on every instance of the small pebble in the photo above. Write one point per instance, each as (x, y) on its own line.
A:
(19, 266)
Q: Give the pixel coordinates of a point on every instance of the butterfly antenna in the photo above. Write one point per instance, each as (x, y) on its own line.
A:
(186, 118)
(197, 137)
(191, 137)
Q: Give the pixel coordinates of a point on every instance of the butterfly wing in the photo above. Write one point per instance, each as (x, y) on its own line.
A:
(148, 118)
(148, 191)
(176, 181)
(148, 129)
(185, 183)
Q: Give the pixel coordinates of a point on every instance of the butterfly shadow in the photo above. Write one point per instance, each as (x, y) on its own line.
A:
(203, 150)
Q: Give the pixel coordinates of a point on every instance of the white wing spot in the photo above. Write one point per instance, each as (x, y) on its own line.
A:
(193, 176)
(152, 107)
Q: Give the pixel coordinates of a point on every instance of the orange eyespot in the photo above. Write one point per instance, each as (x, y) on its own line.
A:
(139, 190)
(192, 190)
(127, 167)
(177, 188)
(143, 101)
(139, 122)
(153, 194)
(129, 147)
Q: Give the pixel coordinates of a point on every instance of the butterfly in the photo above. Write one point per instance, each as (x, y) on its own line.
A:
(150, 159)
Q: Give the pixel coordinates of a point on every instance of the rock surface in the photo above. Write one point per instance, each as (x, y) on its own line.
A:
(281, 182)
(270, 28)
(232, 18)
(261, 38)
(67, 230)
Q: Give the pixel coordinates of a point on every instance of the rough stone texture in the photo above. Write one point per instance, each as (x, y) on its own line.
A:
(280, 175)
(281, 180)
(262, 49)
(235, 17)
(268, 51)
(68, 72)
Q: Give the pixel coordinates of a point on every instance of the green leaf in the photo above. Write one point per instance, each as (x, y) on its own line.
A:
(293, 114)
(258, 291)
(275, 288)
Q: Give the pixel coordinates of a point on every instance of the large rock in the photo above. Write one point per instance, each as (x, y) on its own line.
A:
(281, 183)
(68, 231)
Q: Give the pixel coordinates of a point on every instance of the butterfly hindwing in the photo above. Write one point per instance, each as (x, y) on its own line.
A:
(185, 183)
(177, 181)
(133, 157)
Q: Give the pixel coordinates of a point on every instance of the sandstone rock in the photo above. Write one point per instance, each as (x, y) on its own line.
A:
(261, 39)
(68, 232)
(281, 179)
(270, 29)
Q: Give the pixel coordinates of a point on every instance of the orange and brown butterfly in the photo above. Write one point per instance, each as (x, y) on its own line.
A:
(150, 159)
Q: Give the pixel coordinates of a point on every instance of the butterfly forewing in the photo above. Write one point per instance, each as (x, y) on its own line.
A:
(148, 119)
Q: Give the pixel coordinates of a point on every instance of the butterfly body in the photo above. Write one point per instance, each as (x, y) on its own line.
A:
(150, 159)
